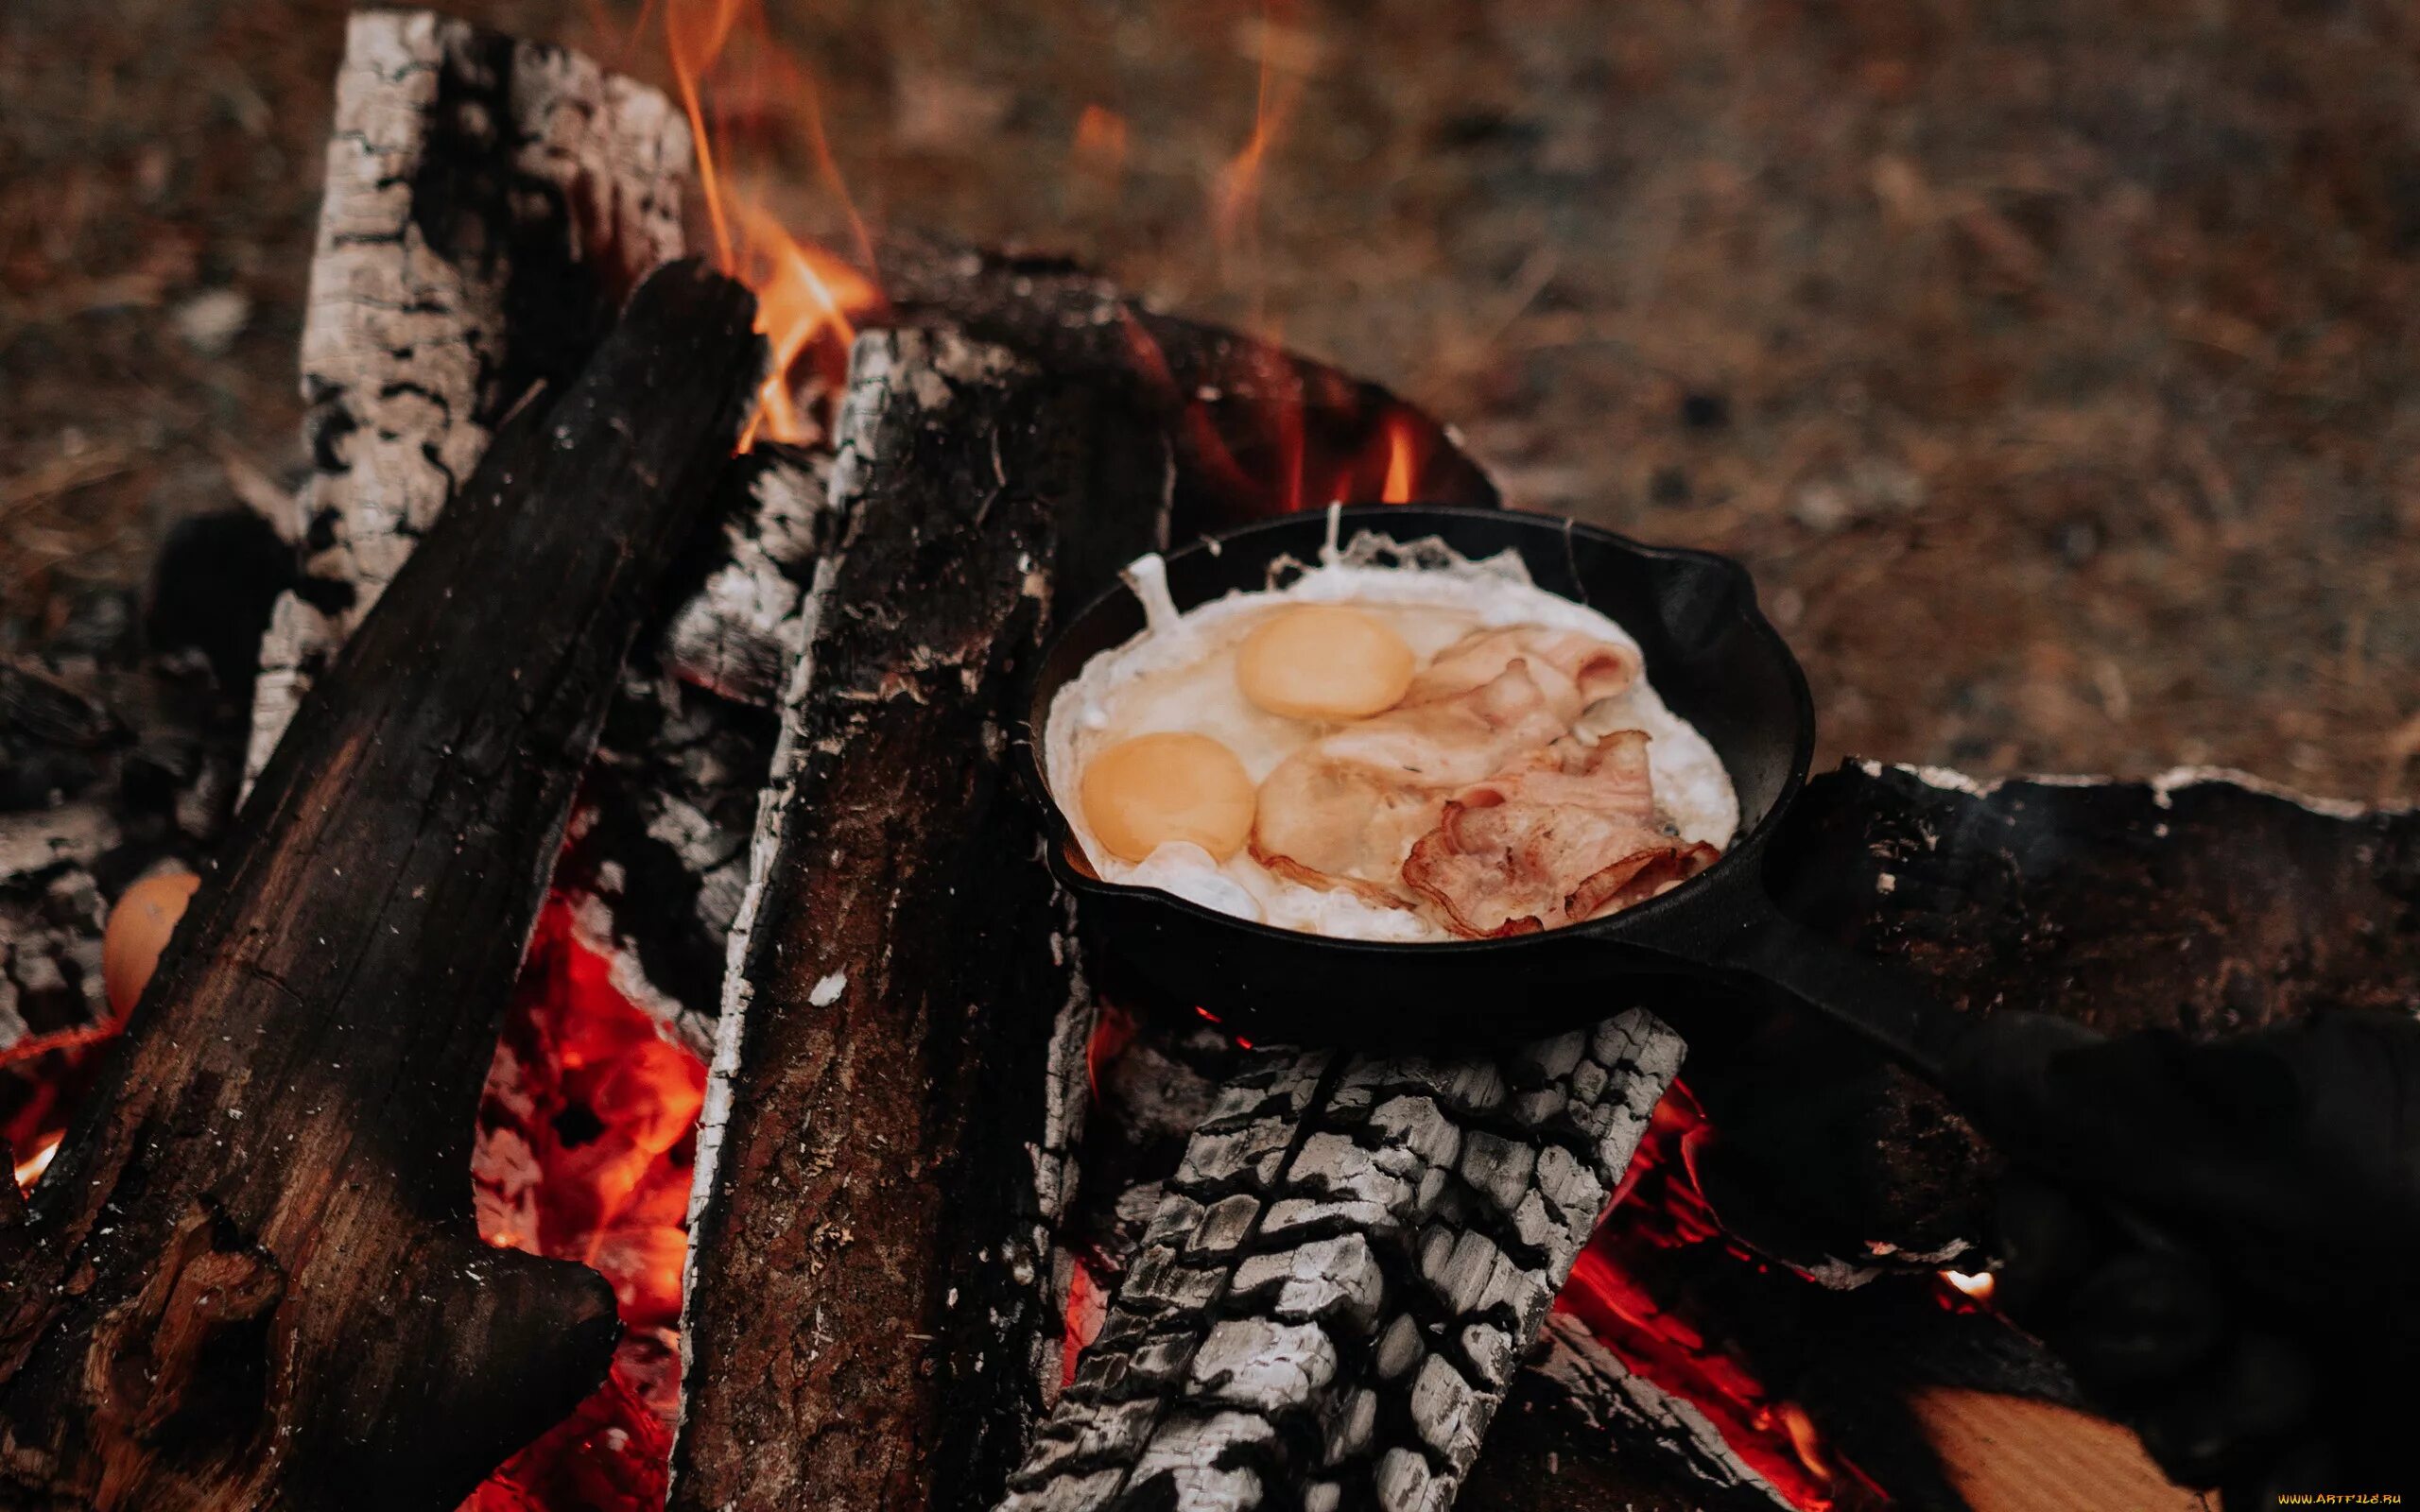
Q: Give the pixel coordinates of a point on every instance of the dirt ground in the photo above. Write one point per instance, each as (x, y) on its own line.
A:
(2053, 364)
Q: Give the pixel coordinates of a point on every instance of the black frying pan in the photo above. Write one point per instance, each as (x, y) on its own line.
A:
(1716, 661)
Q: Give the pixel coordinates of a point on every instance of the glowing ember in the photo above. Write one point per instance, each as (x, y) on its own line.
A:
(1977, 1285)
(29, 1170)
(1658, 1212)
(586, 1132)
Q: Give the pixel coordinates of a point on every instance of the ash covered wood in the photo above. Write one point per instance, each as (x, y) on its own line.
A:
(488, 205)
(250, 1279)
(51, 915)
(898, 1071)
(1344, 1274)
(658, 862)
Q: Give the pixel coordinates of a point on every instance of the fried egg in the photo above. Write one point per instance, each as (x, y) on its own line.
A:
(1265, 672)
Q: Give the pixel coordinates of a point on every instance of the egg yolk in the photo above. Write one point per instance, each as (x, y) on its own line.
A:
(1323, 661)
(1141, 793)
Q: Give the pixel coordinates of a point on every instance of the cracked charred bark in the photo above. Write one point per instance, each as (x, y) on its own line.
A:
(898, 1069)
(489, 203)
(1344, 1274)
(251, 1280)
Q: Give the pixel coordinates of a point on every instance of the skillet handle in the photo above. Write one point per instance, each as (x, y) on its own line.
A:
(1886, 1007)
(1881, 1004)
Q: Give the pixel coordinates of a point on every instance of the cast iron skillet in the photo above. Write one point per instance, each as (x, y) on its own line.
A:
(1717, 662)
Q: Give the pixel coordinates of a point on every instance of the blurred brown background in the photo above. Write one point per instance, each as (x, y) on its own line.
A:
(2052, 363)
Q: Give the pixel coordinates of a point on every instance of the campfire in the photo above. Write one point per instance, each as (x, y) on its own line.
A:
(609, 892)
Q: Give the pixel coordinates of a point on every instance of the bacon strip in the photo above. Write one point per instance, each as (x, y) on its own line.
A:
(1344, 809)
(1573, 670)
(1566, 834)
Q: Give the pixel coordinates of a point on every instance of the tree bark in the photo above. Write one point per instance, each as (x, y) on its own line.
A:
(898, 1071)
(251, 1280)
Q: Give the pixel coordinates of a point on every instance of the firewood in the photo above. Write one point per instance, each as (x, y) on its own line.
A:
(1244, 414)
(1344, 1275)
(250, 1279)
(1581, 1428)
(51, 918)
(898, 1075)
(489, 203)
(659, 861)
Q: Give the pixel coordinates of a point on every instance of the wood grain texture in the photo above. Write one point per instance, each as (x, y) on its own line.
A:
(252, 1279)
(882, 1150)
(2008, 1454)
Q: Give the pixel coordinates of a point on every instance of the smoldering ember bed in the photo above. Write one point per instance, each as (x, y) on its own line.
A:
(630, 1014)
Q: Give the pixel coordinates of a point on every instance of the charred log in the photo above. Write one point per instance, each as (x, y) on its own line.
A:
(252, 1279)
(658, 862)
(1581, 1429)
(51, 915)
(1344, 1275)
(1257, 429)
(2200, 901)
(489, 205)
(899, 1066)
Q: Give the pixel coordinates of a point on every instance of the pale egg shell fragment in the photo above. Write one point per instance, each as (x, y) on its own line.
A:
(1325, 662)
(1144, 793)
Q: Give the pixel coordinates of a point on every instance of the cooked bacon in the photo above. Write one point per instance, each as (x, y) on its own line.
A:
(1561, 836)
(1344, 811)
(1573, 670)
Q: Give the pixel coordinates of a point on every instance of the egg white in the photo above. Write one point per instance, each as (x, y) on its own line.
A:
(1180, 675)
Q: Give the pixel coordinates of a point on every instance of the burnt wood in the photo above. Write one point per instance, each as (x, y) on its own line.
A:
(1344, 1275)
(2202, 902)
(1251, 423)
(251, 1280)
(899, 1065)
(488, 205)
(1580, 1428)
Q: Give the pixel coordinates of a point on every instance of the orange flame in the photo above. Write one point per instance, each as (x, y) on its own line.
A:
(1658, 1208)
(809, 298)
(1400, 464)
(1236, 194)
(1976, 1285)
(29, 1170)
